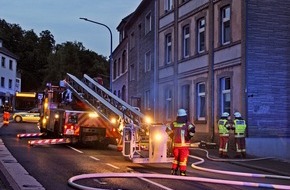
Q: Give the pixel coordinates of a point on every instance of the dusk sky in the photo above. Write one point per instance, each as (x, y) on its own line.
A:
(61, 18)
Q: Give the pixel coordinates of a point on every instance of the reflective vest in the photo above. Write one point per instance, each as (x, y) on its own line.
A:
(240, 127)
(180, 134)
(223, 131)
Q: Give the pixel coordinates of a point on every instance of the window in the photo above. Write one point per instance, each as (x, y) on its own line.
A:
(225, 25)
(168, 48)
(124, 61)
(186, 40)
(132, 40)
(10, 64)
(148, 61)
(168, 5)
(201, 108)
(132, 72)
(183, 1)
(3, 82)
(201, 35)
(119, 94)
(115, 70)
(185, 98)
(119, 67)
(225, 95)
(10, 84)
(168, 104)
(147, 100)
(3, 62)
(124, 92)
(148, 23)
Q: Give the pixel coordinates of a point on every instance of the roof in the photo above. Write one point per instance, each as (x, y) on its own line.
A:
(5, 51)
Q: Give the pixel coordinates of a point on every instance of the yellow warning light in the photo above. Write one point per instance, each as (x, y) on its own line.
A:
(45, 105)
(93, 115)
(147, 119)
(113, 120)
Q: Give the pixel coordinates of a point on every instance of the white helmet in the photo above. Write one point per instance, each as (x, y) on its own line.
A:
(225, 114)
(181, 112)
(237, 114)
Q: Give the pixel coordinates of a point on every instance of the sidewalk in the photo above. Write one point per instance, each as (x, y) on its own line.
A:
(12, 175)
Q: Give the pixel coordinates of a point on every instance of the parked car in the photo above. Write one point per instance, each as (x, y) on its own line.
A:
(32, 115)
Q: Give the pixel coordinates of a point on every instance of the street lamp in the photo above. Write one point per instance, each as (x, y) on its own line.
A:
(111, 49)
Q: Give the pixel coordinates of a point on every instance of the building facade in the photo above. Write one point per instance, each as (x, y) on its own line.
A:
(134, 73)
(9, 81)
(215, 56)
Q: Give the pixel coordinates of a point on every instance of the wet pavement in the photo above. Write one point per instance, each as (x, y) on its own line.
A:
(272, 166)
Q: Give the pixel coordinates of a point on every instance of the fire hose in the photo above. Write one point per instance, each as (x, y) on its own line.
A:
(72, 180)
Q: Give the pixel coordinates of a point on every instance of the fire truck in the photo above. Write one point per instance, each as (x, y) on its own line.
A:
(84, 111)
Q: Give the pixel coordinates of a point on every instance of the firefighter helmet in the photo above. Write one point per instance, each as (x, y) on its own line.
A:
(225, 114)
(181, 112)
(237, 114)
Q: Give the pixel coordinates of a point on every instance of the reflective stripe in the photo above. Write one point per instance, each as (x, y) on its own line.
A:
(224, 134)
(175, 162)
(181, 144)
(239, 135)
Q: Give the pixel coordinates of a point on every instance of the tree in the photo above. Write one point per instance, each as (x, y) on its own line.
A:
(41, 60)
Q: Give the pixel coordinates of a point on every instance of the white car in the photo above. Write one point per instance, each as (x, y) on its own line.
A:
(32, 115)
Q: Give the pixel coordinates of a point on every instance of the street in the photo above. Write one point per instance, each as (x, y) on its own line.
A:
(54, 165)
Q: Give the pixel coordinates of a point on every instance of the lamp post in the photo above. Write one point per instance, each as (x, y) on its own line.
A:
(111, 48)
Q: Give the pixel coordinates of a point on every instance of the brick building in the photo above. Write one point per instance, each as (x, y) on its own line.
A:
(212, 56)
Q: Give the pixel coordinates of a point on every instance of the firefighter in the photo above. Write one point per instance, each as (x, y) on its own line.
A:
(6, 114)
(240, 129)
(180, 131)
(224, 126)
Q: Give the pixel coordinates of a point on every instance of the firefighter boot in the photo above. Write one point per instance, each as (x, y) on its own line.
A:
(173, 171)
(183, 173)
(244, 155)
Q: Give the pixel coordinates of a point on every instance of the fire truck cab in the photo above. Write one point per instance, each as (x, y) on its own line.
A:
(62, 119)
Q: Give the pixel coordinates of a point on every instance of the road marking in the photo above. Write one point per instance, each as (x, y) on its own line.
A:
(130, 170)
(94, 158)
(154, 183)
(100, 182)
(75, 149)
(116, 167)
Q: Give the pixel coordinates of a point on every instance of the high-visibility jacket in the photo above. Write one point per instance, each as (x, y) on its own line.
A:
(223, 128)
(182, 132)
(240, 127)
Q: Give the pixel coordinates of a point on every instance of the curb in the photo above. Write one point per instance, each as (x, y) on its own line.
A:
(260, 168)
(17, 177)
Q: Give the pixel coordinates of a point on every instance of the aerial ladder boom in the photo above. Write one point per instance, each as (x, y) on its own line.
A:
(102, 100)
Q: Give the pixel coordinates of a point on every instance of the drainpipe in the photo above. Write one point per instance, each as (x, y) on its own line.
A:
(155, 90)
(211, 70)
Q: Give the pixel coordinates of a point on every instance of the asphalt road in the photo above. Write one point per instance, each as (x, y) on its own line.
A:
(53, 165)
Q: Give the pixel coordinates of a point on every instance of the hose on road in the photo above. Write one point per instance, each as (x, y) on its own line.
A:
(72, 180)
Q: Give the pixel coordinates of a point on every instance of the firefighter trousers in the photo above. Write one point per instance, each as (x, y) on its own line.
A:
(240, 146)
(224, 144)
(180, 158)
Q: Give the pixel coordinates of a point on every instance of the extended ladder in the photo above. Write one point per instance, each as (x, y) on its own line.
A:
(102, 100)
